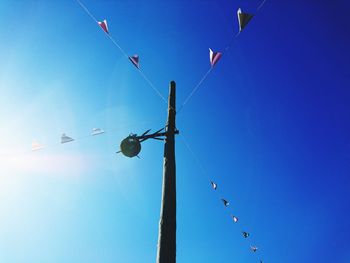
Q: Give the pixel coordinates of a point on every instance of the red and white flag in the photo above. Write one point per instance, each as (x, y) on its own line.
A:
(234, 218)
(104, 26)
(214, 57)
(135, 60)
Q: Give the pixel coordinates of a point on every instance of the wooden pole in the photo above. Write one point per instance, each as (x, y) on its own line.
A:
(166, 252)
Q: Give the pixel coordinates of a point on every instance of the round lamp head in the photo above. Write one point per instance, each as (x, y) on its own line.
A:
(130, 146)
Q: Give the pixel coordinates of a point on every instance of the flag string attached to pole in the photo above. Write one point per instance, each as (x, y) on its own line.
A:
(150, 83)
(66, 138)
(216, 187)
(243, 19)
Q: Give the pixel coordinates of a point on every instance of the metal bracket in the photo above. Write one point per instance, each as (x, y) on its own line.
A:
(156, 135)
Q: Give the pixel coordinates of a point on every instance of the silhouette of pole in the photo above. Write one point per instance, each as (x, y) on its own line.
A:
(166, 252)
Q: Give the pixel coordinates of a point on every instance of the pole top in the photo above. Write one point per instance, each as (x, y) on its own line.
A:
(172, 95)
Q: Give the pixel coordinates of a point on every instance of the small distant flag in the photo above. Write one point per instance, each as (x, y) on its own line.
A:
(214, 185)
(104, 26)
(234, 218)
(97, 131)
(214, 57)
(36, 146)
(135, 60)
(253, 248)
(65, 138)
(245, 234)
(243, 19)
(226, 203)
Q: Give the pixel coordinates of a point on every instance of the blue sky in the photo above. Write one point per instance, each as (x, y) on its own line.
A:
(270, 125)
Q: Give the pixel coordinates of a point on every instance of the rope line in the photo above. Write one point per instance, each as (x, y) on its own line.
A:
(195, 89)
(201, 167)
(198, 85)
(152, 86)
(75, 139)
(209, 71)
(204, 172)
(122, 51)
(261, 5)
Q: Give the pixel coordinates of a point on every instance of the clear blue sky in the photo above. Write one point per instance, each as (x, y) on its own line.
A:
(270, 125)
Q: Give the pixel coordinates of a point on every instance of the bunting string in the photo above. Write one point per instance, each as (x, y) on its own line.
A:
(246, 235)
(123, 51)
(37, 146)
(261, 5)
(199, 84)
(195, 89)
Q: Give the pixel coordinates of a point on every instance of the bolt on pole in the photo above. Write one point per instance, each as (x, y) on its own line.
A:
(166, 251)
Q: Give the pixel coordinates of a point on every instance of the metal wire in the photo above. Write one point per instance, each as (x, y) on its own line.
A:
(122, 51)
(198, 85)
(204, 172)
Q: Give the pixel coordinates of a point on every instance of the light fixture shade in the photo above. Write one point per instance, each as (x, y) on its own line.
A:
(130, 146)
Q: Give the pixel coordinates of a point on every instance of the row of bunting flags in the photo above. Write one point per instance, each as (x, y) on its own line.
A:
(243, 20)
(214, 57)
(235, 219)
(135, 58)
(36, 146)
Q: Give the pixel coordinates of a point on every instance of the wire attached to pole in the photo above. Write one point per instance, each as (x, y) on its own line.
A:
(198, 85)
(261, 5)
(122, 51)
(204, 172)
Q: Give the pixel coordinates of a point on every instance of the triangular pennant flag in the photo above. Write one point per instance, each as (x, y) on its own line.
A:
(214, 57)
(243, 19)
(65, 138)
(234, 218)
(253, 248)
(135, 60)
(36, 146)
(214, 185)
(104, 26)
(97, 131)
(226, 203)
(245, 234)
